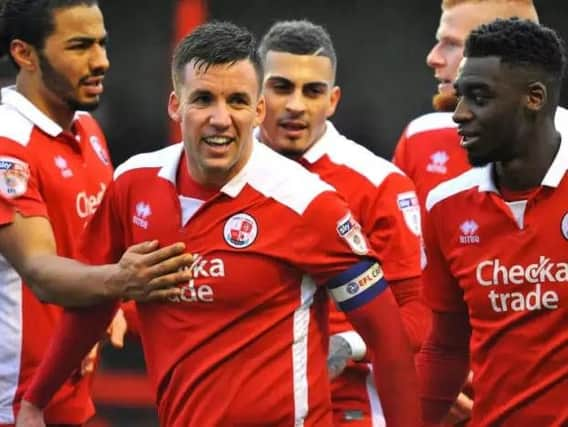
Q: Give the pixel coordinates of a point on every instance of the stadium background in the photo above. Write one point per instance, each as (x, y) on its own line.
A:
(381, 48)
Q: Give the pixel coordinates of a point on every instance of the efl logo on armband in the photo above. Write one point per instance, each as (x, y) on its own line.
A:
(358, 285)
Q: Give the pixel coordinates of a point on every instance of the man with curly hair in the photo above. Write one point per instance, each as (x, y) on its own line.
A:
(496, 238)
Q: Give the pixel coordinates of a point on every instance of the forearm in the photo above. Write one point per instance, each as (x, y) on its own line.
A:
(416, 316)
(78, 331)
(380, 325)
(66, 282)
(443, 365)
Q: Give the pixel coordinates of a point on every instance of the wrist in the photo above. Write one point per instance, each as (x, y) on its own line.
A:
(356, 343)
(110, 274)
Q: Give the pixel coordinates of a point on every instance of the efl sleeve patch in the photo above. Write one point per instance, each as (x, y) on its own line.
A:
(408, 205)
(349, 230)
(14, 177)
(358, 285)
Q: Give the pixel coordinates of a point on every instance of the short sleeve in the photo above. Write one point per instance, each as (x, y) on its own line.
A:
(393, 226)
(19, 183)
(102, 240)
(331, 247)
(441, 290)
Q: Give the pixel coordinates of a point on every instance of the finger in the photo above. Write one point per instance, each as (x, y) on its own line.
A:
(464, 403)
(117, 330)
(178, 264)
(88, 364)
(158, 295)
(144, 247)
(159, 255)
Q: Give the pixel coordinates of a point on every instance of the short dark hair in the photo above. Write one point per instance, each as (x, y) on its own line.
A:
(30, 21)
(519, 43)
(299, 37)
(215, 43)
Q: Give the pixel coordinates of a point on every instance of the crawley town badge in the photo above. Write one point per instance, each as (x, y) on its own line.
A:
(98, 148)
(14, 177)
(350, 231)
(240, 231)
(408, 205)
(564, 226)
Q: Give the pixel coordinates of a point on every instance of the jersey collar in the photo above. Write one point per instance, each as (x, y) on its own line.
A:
(14, 99)
(553, 176)
(321, 147)
(171, 159)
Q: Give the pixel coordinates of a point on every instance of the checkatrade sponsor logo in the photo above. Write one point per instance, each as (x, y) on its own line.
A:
(86, 204)
(520, 287)
(200, 289)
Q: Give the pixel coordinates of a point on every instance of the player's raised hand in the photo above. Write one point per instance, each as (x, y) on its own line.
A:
(29, 416)
(148, 273)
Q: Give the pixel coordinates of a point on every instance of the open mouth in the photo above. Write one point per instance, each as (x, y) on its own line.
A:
(218, 141)
(467, 139)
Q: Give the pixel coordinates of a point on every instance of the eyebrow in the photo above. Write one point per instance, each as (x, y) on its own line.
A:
(87, 40)
(280, 79)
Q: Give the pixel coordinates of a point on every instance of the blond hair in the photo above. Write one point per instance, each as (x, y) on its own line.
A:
(446, 4)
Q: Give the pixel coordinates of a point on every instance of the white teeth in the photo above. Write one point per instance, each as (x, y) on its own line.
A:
(218, 140)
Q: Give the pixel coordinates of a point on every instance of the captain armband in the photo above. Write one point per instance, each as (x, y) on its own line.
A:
(355, 287)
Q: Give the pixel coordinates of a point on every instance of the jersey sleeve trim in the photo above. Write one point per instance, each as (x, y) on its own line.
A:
(358, 285)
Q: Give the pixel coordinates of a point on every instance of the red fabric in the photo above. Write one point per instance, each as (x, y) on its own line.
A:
(131, 316)
(394, 374)
(511, 280)
(232, 331)
(78, 331)
(429, 152)
(67, 174)
(443, 364)
(416, 316)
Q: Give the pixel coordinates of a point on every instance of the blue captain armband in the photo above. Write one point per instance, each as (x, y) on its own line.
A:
(355, 287)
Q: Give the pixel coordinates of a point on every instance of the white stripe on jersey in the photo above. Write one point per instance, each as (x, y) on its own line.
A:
(279, 178)
(14, 126)
(472, 178)
(343, 151)
(377, 415)
(300, 350)
(10, 338)
(430, 121)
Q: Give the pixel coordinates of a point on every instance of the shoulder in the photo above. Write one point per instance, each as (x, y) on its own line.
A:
(283, 180)
(428, 123)
(151, 160)
(464, 182)
(14, 126)
(360, 160)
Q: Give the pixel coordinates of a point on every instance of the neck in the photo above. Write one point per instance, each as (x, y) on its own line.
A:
(215, 178)
(45, 101)
(527, 170)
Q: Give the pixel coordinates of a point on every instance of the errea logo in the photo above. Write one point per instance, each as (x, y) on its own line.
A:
(438, 162)
(63, 166)
(469, 234)
(143, 211)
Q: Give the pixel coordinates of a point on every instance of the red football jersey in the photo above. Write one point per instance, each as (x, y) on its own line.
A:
(505, 264)
(385, 202)
(246, 343)
(429, 152)
(44, 171)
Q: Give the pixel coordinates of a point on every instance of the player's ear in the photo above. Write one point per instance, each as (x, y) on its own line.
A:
(537, 96)
(260, 111)
(334, 97)
(174, 107)
(24, 54)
